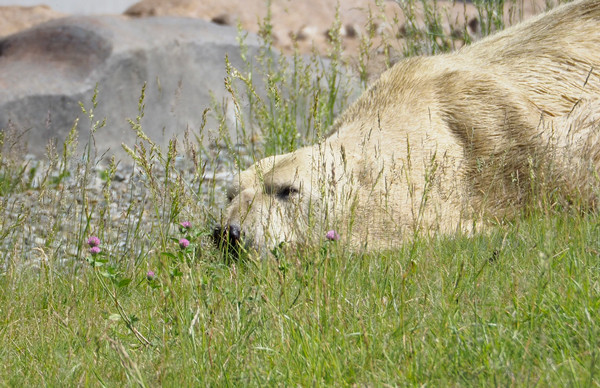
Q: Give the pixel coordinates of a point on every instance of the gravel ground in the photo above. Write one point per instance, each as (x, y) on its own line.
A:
(47, 221)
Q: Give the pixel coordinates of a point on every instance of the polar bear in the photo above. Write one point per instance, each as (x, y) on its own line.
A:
(441, 144)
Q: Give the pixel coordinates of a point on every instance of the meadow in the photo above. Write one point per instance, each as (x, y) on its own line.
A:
(124, 287)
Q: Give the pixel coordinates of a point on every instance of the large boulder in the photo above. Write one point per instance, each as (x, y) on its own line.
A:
(46, 71)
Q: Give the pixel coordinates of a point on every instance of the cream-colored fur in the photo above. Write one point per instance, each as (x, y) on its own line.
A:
(439, 143)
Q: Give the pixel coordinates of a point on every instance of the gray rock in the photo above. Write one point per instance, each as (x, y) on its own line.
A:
(46, 71)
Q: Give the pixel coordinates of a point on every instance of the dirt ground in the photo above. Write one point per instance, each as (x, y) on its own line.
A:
(305, 25)
(14, 18)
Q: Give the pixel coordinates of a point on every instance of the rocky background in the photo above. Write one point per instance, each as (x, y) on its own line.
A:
(50, 62)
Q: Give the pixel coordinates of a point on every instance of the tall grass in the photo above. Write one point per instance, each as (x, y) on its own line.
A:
(159, 305)
(515, 307)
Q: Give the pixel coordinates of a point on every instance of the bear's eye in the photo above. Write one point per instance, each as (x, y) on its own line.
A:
(285, 192)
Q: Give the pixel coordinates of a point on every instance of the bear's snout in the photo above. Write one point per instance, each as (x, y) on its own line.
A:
(228, 238)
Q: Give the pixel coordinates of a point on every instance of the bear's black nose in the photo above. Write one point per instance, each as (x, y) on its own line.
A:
(235, 234)
(228, 239)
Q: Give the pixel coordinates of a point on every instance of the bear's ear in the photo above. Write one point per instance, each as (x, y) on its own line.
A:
(232, 192)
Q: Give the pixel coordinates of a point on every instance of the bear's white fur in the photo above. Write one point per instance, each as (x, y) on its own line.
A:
(439, 142)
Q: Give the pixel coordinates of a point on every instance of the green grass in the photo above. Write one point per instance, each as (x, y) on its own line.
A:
(515, 306)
